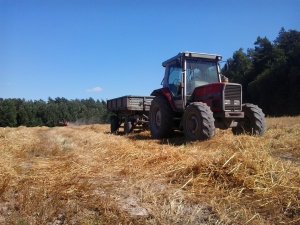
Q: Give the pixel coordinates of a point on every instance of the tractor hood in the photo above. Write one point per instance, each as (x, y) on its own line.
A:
(219, 96)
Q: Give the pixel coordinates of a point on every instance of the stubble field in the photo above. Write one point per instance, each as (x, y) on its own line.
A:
(85, 175)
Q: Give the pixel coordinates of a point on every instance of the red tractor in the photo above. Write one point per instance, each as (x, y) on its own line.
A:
(197, 98)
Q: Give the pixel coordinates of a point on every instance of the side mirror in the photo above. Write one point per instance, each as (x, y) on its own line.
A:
(226, 67)
(224, 79)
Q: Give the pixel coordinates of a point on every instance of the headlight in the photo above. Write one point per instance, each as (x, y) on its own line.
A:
(227, 102)
(236, 102)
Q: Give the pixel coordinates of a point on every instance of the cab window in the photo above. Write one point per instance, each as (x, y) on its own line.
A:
(200, 72)
(174, 79)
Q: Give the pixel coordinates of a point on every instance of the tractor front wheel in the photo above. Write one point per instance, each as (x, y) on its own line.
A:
(161, 118)
(253, 123)
(198, 122)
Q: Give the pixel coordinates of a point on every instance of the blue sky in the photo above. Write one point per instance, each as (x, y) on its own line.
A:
(105, 49)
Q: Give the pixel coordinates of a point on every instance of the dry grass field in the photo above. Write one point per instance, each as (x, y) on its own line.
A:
(85, 175)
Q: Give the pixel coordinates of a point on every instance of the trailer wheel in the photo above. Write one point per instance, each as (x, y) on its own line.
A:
(114, 124)
(253, 123)
(198, 122)
(128, 126)
(161, 118)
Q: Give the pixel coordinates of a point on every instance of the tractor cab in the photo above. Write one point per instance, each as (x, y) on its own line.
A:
(187, 71)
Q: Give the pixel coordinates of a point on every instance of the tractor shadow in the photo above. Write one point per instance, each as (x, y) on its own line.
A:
(176, 139)
(122, 133)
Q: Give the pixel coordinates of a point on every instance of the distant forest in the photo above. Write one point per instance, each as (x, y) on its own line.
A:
(54, 112)
(270, 73)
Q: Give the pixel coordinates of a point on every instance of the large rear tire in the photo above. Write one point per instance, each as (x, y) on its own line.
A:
(198, 122)
(253, 123)
(161, 118)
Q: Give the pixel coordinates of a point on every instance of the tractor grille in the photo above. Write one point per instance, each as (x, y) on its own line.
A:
(233, 97)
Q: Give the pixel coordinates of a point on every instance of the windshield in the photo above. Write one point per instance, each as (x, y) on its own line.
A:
(200, 72)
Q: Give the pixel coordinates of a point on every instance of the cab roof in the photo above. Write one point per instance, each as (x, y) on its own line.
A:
(182, 55)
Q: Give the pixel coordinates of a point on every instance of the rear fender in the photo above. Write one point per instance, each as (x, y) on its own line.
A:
(167, 94)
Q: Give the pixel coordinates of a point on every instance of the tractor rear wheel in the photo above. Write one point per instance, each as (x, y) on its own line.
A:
(114, 124)
(198, 122)
(253, 123)
(161, 118)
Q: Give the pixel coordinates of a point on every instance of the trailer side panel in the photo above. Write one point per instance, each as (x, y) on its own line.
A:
(130, 103)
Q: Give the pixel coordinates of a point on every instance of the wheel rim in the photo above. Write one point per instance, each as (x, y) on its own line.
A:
(158, 118)
(193, 124)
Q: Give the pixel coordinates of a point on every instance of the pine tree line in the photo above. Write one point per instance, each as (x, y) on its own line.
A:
(54, 112)
(270, 73)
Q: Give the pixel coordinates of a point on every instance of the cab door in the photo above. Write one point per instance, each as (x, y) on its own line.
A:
(174, 83)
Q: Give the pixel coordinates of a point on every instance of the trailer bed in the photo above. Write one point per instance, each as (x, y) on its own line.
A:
(130, 103)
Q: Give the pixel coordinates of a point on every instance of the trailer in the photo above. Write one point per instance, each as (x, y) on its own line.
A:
(129, 112)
